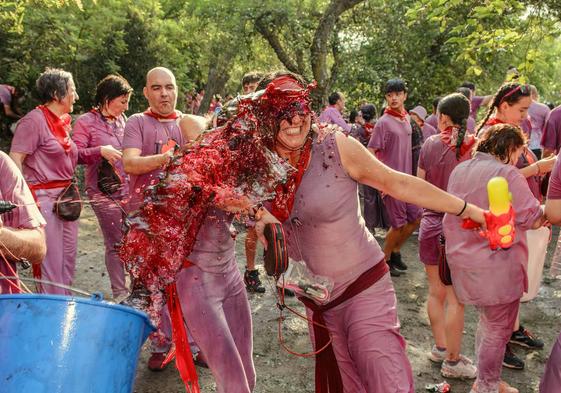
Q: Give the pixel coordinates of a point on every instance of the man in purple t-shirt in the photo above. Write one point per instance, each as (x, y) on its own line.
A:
(551, 138)
(538, 113)
(391, 143)
(148, 145)
(476, 101)
(333, 113)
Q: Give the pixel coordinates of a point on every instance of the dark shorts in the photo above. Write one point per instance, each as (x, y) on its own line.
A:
(429, 250)
(401, 213)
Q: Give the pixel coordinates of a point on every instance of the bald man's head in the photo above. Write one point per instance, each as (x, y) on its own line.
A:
(161, 90)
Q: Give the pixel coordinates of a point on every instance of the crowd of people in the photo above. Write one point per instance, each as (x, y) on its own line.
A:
(410, 171)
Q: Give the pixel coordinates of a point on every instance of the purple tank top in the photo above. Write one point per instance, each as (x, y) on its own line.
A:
(326, 229)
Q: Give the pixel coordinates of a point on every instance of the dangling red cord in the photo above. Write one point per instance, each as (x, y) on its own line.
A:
(183, 356)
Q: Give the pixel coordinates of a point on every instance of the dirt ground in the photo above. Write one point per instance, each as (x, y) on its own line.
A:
(277, 371)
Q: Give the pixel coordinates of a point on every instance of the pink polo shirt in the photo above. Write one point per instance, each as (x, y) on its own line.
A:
(46, 159)
(391, 139)
(149, 135)
(91, 131)
(482, 276)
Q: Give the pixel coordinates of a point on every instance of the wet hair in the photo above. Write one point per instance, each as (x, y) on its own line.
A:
(334, 97)
(469, 85)
(501, 140)
(465, 91)
(511, 93)
(368, 112)
(251, 77)
(53, 85)
(435, 103)
(269, 77)
(457, 107)
(395, 85)
(109, 88)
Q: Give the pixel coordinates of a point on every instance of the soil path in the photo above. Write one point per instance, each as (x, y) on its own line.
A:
(280, 372)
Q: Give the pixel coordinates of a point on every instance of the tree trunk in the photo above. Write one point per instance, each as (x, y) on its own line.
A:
(218, 75)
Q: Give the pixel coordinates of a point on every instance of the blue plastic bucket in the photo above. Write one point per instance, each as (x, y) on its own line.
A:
(62, 344)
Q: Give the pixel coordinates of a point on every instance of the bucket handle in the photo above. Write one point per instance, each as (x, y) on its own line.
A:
(94, 296)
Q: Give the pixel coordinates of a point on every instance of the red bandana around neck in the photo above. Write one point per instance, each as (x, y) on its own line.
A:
(368, 128)
(172, 116)
(59, 126)
(492, 121)
(400, 115)
(285, 193)
(450, 136)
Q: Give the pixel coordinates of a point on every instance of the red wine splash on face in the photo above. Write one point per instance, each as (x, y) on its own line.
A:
(236, 157)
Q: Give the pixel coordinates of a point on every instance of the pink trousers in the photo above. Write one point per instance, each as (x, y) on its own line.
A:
(110, 219)
(551, 380)
(62, 243)
(216, 310)
(369, 349)
(493, 333)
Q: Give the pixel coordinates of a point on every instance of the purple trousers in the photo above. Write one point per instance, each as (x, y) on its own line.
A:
(369, 349)
(551, 380)
(493, 333)
(62, 243)
(216, 310)
(110, 218)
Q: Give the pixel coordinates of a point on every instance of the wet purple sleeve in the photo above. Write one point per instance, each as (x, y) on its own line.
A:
(133, 134)
(82, 139)
(13, 188)
(551, 131)
(525, 205)
(27, 136)
(377, 138)
(554, 190)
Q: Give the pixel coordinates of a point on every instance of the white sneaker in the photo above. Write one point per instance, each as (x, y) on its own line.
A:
(437, 355)
(463, 369)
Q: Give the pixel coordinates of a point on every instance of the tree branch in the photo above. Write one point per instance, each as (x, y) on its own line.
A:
(323, 33)
(269, 35)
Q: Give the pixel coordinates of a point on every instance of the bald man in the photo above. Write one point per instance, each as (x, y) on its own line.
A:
(148, 145)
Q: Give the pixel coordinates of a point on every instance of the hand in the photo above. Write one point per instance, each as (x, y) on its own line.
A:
(228, 200)
(545, 165)
(323, 130)
(111, 154)
(262, 218)
(475, 214)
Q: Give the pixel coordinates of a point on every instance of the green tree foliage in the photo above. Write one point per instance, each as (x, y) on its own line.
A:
(347, 45)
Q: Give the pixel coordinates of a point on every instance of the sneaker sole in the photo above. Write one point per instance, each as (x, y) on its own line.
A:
(434, 359)
(524, 345)
(512, 367)
(455, 376)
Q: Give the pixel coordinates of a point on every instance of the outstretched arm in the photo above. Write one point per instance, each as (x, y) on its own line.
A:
(367, 169)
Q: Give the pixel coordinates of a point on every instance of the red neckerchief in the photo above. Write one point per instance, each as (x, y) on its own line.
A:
(108, 117)
(59, 127)
(172, 116)
(400, 115)
(285, 193)
(449, 137)
(492, 121)
(368, 128)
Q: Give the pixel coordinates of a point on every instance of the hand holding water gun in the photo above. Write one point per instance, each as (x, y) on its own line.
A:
(500, 218)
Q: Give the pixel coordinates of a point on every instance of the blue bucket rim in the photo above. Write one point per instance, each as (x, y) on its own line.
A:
(89, 301)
